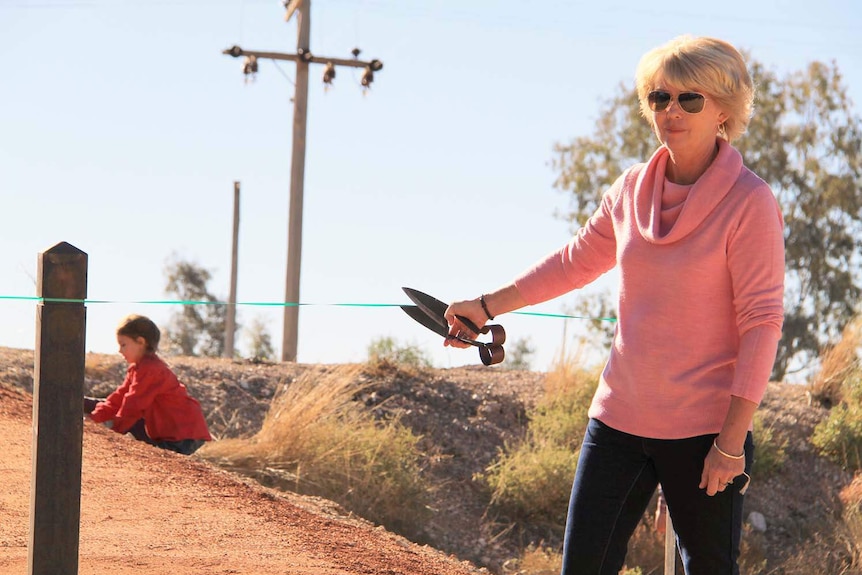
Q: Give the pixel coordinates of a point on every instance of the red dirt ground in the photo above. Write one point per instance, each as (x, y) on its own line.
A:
(148, 511)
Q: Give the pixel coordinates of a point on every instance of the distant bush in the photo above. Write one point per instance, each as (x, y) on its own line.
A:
(518, 354)
(387, 349)
(770, 450)
(839, 436)
(316, 440)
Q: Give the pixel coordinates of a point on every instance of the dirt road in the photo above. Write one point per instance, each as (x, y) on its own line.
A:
(145, 511)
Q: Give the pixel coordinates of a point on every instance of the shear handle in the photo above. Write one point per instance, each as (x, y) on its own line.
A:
(498, 335)
(472, 326)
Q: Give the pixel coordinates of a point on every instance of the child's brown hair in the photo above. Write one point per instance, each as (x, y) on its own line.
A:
(135, 326)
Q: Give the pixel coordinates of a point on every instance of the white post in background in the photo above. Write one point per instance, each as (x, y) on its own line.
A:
(669, 548)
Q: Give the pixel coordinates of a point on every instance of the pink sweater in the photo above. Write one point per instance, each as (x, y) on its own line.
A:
(701, 307)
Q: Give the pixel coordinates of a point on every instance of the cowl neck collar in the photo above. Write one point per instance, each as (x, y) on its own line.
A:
(706, 193)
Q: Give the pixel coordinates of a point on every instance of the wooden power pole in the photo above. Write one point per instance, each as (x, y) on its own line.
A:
(303, 59)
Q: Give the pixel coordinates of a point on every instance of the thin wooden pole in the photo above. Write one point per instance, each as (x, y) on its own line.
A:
(58, 428)
(230, 316)
(669, 547)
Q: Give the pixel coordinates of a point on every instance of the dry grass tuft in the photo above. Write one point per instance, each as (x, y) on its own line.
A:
(103, 367)
(837, 363)
(316, 440)
(851, 496)
(535, 560)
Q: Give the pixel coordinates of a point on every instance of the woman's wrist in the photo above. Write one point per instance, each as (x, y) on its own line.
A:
(726, 454)
(485, 308)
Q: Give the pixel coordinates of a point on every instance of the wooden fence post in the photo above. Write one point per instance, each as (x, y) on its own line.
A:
(58, 427)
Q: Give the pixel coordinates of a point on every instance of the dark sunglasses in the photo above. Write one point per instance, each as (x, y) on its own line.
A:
(690, 102)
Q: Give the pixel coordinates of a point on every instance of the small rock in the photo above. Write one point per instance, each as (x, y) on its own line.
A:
(757, 521)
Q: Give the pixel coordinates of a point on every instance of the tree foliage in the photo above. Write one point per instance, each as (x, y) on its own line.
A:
(390, 350)
(519, 354)
(806, 142)
(260, 346)
(199, 327)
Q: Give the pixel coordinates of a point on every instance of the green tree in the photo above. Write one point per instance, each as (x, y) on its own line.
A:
(519, 353)
(199, 327)
(260, 342)
(391, 350)
(806, 142)
(600, 310)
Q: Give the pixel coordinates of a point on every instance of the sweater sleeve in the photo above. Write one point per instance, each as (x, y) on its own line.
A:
(589, 254)
(756, 262)
(107, 410)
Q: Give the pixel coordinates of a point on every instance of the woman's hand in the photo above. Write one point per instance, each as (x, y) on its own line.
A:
(470, 309)
(501, 301)
(719, 470)
(726, 458)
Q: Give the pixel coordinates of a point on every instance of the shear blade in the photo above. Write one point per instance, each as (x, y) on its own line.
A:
(420, 316)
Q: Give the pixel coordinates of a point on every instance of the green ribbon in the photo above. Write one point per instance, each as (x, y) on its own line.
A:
(265, 304)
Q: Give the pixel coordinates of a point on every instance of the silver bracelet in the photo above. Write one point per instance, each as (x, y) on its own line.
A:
(729, 456)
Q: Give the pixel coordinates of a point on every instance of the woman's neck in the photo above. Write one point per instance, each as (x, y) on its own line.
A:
(687, 169)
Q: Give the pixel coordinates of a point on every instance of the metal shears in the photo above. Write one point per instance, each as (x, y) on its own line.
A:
(430, 312)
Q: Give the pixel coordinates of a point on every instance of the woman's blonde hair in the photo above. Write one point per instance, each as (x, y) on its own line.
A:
(704, 64)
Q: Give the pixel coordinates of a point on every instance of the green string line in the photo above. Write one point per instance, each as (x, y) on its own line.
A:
(564, 316)
(265, 304)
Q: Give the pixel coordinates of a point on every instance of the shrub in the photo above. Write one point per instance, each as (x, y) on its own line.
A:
(839, 386)
(531, 480)
(518, 354)
(561, 414)
(388, 350)
(839, 436)
(771, 450)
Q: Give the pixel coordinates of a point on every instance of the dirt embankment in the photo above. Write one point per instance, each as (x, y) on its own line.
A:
(148, 511)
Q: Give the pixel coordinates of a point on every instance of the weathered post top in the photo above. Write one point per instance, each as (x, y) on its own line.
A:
(59, 274)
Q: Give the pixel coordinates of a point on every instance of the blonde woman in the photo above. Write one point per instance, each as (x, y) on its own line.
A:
(698, 240)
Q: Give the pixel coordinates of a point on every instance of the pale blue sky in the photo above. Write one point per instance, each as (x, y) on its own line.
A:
(123, 127)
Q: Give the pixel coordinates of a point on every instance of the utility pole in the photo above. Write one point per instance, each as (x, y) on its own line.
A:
(303, 59)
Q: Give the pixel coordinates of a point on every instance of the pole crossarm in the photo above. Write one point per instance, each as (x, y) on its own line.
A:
(236, 52)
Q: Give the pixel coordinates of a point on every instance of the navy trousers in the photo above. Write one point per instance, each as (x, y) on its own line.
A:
(616, 477)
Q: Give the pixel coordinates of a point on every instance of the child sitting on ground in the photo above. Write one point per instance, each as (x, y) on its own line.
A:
(151, 404)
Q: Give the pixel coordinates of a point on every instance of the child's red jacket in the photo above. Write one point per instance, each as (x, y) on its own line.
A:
(153, 393)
